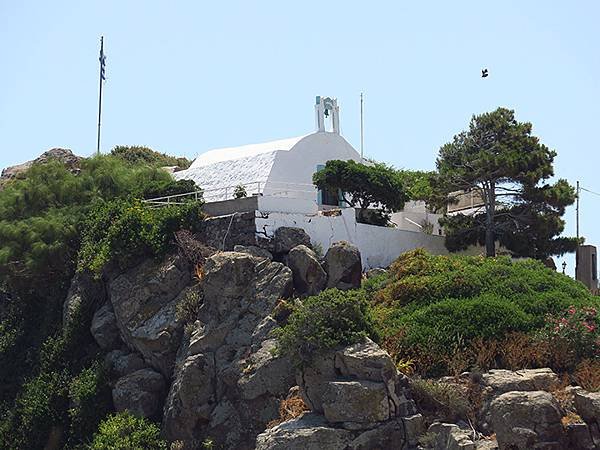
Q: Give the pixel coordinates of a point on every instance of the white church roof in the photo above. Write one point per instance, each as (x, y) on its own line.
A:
(244, 151)
(218, 171)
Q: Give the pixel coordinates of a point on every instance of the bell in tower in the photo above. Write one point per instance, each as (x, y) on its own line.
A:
(327, 110)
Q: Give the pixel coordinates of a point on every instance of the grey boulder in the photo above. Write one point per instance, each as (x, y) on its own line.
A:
(307, 432)
(104, 328)
(286, 238)
(309, 276)
(343, 265)
(524, 420)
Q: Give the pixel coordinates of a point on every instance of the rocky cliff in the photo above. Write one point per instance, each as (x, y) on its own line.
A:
(216, 378)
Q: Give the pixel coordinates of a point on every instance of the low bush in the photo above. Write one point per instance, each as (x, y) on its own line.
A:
(123, 231)
(41, 405)
(448, 402)
(325, 321)
(123, 431)
(136, 154)
(452, 313)
(90, 401)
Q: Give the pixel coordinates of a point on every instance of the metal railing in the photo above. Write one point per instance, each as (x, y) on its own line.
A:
(254, 188)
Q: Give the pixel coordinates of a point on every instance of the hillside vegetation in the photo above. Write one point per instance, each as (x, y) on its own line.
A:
(55, 220)
(440, 315)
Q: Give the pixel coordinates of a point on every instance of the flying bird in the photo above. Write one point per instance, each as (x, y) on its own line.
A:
(484, 73)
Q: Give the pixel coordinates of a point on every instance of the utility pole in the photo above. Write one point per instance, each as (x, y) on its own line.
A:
(578, 192)
(102, 60)
(362, 132)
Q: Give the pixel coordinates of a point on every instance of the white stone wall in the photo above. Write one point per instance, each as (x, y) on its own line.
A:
(379, 246)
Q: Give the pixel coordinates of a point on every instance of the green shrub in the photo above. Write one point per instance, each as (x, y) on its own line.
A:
(444, 323)
(136, 154)
(90, 400)
(123, 431)
(325, 321)
(123, 231)
(578, 329)
(433, 308)
(42, 218)
(41, 404)
(171, 187)
(419, 278)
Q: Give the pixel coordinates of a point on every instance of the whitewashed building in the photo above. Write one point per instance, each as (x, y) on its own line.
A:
(277, 179)
(282, 168)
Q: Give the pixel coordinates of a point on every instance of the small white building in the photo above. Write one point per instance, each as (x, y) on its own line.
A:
(277, 179)
(282, 168)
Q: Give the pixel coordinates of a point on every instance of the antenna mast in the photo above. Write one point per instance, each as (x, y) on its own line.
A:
(362, 127)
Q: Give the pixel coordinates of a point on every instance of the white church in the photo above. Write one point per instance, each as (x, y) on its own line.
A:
(277, 179)
(281, 168)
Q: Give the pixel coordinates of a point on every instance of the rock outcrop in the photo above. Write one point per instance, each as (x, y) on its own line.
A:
(526, 420)
(586, 435)
(228, 383)
(358, 401)
(63, 155)
(500, 381)
(343, 265)
(309, 276)
(144, 300)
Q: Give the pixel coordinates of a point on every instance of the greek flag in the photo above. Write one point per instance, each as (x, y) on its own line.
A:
(102, 60)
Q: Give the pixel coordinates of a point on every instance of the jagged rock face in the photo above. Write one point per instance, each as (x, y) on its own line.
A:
(363, 363)
(355, 401)
(358, 401)
(588, 405)
(104, 328)
(309, 276)
(525, 420)
(227, 382)
(144, 300)
(140, 392)
(343, 265)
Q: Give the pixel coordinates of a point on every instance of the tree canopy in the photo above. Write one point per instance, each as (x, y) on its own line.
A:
(500, 160)
(362, 186)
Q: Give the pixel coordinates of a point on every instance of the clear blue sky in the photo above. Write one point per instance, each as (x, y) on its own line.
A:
(187, 76)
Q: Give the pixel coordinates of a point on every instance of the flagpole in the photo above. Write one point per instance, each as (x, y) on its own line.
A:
(100, 93)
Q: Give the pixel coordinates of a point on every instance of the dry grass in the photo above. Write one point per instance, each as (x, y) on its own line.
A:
(587, 375)
(289, 408)
(571, 418)
(485, 353)
(445, 401)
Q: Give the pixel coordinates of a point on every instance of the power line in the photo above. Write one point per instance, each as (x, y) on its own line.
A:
(587, 190)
